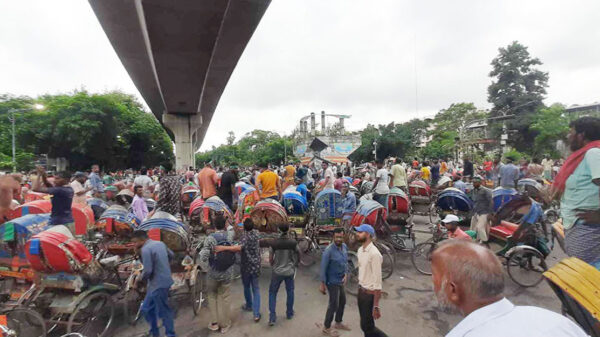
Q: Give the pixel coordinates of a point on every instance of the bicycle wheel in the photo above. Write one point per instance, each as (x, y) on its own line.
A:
(433, 213)
(421, 257)
(25, 322)
(309, 252)
(525, 267)
(132, 305)
(93, 316)
(387, 266)
(197, 293)
(352, 282)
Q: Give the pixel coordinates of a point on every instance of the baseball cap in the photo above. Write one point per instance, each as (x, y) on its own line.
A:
(451, 218)
(365, 228)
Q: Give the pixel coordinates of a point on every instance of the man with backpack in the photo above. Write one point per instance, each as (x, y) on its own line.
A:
(284, 258)
(220, 272)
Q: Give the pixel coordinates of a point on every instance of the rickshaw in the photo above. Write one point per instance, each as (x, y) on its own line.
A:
(454, 201)
(296, 207)
(98, 206)
(185, 270)
(422, 200)
(115, 227)
(501, 196)
(188, 194)
(72, 290)
(203, 212)
(541, 194)
(17, 275)
(82, 213)
(247, 198)
(577, 285)
(399, 220)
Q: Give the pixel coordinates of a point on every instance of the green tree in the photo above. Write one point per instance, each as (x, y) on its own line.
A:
(551, 125)
(518, 88)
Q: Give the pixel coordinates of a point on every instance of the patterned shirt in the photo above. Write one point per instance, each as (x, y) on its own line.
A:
(250, 253)
(169, 199)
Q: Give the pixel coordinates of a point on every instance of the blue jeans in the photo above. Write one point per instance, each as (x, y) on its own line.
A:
(274, 288)
(156, 304)
(251, 293)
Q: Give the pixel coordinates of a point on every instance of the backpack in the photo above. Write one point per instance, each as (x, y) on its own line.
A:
(223, 260)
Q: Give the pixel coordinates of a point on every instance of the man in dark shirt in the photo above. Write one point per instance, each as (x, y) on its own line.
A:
(62, 197)
(483, 207)
(157, 271)
(284, 257)
(334, 268)
(467, 169)
(435, 172)
(227, 188)
(250, 266)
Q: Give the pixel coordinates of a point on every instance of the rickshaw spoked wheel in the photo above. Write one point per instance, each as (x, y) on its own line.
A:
(526, 266)
(421, 257)
(93, 316)
(433, 213)
(133, 306)
(197, 294)
(25, 322)
(309, 251)
(352, 282)
(387, 266)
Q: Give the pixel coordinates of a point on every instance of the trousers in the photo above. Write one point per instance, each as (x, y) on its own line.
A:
(217, 296)
(337, 302)
(251, 293)
(156, 304)
(365, 309)
(274, 289)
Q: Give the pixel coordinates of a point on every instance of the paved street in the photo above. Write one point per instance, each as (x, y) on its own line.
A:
(408, 309)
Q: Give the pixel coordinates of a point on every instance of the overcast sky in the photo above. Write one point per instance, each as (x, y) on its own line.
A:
(379, 61)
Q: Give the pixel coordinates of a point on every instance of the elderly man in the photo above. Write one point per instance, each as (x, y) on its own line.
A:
(468, 277)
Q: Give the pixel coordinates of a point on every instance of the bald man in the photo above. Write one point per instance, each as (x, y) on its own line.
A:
(468, 277)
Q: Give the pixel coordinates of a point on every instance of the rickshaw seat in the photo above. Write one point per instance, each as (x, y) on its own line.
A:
(504, 229)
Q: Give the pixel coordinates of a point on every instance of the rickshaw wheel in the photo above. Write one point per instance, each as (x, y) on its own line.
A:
(25, 322)
(308, 252)
(132, 306)
(352, 282)
(387, 266)
(197, 293)
(93, 316)
(433, 214)
(421, 257)
(525, 267)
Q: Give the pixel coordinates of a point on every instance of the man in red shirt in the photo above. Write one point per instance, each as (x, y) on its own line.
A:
(207, 181)
(454, 232)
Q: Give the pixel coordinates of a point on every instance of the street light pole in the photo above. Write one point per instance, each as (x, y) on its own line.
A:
(14, 157)
(375, 149)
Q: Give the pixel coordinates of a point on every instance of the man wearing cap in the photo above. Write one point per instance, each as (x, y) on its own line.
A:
(78, 190)
(483, 207)
(369, 281)
(454, 232)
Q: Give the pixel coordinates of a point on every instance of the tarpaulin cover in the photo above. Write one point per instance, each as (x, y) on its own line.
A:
(502, 196)
(267, 214)
(52, 251)
(366, 213)
(172, 232)
(419, 188)
(328, 207)
(122, 219)
(40, 206)
(454, 199)
(196, 205)
(295, 204)
(98, 206)
(15, 233)
(398, 201)
(246, 201)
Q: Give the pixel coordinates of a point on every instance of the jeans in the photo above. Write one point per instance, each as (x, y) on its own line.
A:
(274, 288)
(155, 305)
(365, 309)
(217, 295)
(251, 293)
(337, 302)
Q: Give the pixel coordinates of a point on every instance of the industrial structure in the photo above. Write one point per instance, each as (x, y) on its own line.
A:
(332, 142)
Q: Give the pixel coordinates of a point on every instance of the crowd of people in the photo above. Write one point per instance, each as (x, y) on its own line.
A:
(466, 276)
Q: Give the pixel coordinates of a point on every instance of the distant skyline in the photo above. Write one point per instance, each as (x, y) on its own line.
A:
(377, 63)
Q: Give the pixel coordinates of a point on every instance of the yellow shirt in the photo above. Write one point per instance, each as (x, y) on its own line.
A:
(425, 173)
(268, 180)
(290, 172)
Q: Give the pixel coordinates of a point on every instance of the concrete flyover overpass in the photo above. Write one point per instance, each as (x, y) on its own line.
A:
(180, 55)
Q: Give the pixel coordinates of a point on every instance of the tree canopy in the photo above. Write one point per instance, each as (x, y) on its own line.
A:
(110, 129)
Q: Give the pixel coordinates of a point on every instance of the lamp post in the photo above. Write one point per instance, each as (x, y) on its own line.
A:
(375, 149)
(12, 119)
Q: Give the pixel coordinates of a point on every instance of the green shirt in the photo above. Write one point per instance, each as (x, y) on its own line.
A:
(580, 192)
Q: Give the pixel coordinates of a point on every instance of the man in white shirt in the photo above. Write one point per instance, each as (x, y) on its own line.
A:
(144, 181)
(380, 187)
(469, 278)
(327, 176)
(78, 190)
(369, 281)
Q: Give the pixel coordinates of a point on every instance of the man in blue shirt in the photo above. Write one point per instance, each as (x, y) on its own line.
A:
(157, 271)
(62, 197)
(458, 183)
(508, 174)
(301, 187)
(96, 182)
(334, 268)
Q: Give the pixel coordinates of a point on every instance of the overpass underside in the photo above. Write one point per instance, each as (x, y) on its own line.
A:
(180, 55)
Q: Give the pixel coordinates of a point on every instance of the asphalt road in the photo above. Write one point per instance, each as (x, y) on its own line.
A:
(408, 307)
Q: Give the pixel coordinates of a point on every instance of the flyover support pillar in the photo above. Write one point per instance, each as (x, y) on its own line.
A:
(183, 127)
